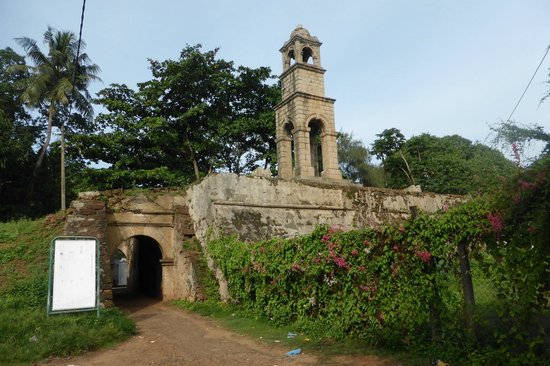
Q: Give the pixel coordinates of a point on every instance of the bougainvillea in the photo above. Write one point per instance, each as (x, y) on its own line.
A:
(387, 286)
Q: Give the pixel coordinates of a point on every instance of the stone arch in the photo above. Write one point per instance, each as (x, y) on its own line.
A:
(143, 265)
(316, 128)
(307, 55)
(288, 131)
(290, 58)
(116, 235)
(148, 249)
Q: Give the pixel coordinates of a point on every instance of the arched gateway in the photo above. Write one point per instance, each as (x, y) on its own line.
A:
(148, 233)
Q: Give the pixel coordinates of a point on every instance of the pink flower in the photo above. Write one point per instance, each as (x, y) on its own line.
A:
(526, 186)
(364, 288)
(516, 150)
(334, 229)
(366, 243)
(325, 238)
(361, 268)
(424, 256)
(354, 252)
(340, 262)
(496, 222)
(317, 260)
(396, 248)
(295, 267)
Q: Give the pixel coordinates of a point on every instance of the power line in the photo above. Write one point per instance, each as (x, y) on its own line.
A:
(79, 39)
(529, 83)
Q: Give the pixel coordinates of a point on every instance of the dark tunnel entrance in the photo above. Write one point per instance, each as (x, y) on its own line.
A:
(143, 276)
(149, 269)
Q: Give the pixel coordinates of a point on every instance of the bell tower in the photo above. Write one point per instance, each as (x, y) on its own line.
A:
(306, 136)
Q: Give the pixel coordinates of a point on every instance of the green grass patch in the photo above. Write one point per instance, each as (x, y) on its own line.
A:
(27, 334)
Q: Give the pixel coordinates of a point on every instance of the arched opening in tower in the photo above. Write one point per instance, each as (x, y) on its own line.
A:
(136, 269)
(291, 58)
(307, 55)
(289, 127)
(316, 148)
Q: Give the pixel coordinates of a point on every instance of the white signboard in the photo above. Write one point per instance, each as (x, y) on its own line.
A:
(74, 282)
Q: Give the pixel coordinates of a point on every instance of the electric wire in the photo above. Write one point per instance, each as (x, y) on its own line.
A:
(528, 84)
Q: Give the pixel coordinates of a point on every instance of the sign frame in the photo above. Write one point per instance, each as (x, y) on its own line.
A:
(52, 275)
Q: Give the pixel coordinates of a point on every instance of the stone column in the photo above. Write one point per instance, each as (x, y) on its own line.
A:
(303, 154)
(284, 157)
(330, 156)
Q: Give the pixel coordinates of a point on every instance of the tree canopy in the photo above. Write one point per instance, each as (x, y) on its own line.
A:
(197, 114)
(449, 164)
(354, 160)
(57, 81)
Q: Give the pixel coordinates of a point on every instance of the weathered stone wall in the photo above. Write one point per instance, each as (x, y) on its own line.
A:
(115, 217)
(89, 218)
(254, 208)
(258, 208)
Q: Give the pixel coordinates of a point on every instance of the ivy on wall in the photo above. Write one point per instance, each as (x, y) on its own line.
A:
(399, 286)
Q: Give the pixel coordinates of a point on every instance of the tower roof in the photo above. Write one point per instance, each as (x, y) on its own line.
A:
(302, 33)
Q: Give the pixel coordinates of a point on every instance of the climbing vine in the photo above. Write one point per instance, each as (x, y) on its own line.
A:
(399, 286)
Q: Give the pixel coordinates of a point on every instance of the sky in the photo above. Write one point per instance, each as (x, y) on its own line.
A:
(442, 67)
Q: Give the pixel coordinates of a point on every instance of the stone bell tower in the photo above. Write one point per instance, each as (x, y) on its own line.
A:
(306, 136)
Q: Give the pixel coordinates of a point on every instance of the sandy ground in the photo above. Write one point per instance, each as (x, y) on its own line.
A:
(169, 336)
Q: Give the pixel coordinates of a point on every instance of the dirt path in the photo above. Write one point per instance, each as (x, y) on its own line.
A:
(169, 336)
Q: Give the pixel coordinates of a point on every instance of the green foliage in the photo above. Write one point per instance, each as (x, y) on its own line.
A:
(27, 334)
(197, 114)
(394, 287)
(57, 82)
(449, 164)
(520, 247)
(354, 159)
(513, 137)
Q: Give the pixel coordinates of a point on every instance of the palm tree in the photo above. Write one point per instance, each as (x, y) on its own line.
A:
(57, 80)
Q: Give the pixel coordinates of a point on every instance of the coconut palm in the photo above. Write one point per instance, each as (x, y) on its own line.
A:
(57, 81)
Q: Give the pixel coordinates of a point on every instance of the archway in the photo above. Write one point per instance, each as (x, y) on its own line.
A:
(143, 256)
(316, 150)
(149, 269)
(288, 130)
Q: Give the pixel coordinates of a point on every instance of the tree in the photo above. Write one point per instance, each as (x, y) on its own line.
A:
(354, 159)
(18, 133)
(387, 143)
(198, 114)
(56, 81)
(449, 164)
(511, 136)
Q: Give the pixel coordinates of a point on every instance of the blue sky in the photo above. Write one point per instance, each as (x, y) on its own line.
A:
(442, 67)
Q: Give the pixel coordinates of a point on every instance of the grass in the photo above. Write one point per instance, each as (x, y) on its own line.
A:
(27, 334)
(261, 329)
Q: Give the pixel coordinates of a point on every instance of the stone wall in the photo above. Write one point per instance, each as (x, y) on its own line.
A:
(258, 208)
(254, 208)
(88, 217)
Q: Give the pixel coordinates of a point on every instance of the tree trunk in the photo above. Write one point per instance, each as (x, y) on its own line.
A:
(467, 284)
(63, 205)
(435, 316)
(193, 160)
(42, 153)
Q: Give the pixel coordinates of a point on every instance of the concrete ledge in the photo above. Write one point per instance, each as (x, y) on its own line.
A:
(281, 206)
